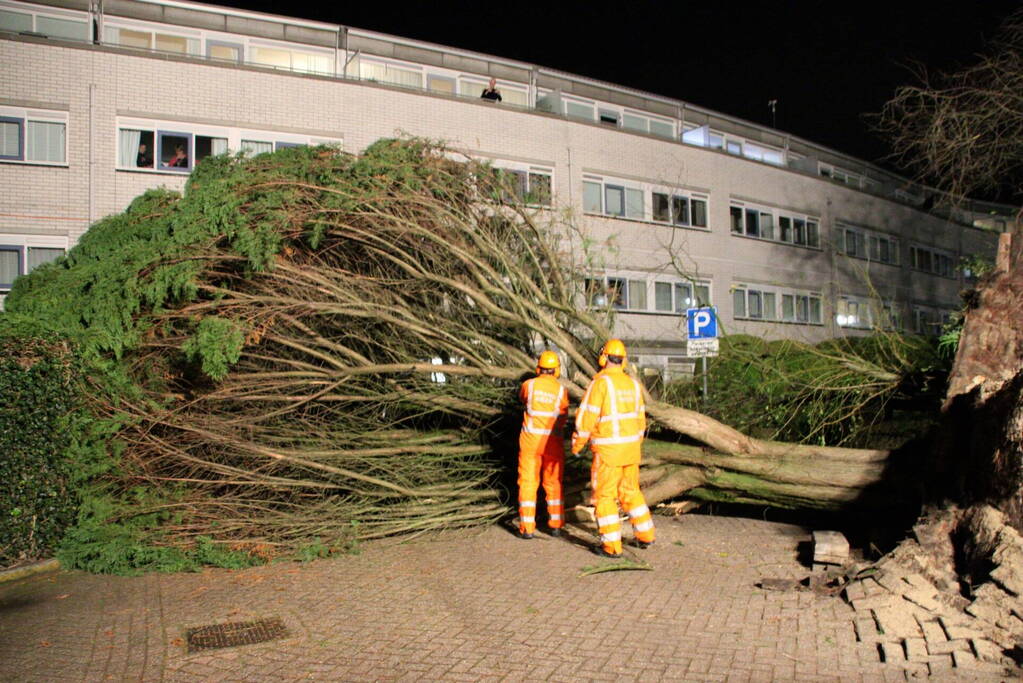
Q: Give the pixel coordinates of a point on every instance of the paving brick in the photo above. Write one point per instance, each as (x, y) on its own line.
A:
(408, 612)
(987, 651)
(956, 629)
(873, 602)
(916, 649)
(923, 598)
(872, 588)
(855, 591)
(949, 646)
(964, 659)
(915, 670)
(892, 651)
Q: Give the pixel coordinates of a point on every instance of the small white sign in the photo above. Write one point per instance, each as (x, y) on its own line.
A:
(699, 348)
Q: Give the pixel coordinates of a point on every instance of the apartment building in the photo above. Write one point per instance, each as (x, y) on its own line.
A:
(103, 99)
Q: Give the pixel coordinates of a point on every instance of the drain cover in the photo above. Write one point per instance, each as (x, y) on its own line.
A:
(234, 634)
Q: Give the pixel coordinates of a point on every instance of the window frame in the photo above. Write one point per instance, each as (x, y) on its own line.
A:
(20, 251)
(20, 123)
(23, 117)
(627, 284)
(781, 223)
(189, 150)
(210, 43)
(695, 203)
(21, 244)
(935, 256)
(812, 303)
(159, 129)
(527, 175)
(864, 239)
(53, 13)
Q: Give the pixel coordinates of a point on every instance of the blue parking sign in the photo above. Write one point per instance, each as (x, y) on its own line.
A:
(702, 323)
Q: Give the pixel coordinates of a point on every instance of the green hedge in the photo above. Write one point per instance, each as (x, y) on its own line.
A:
(850, 391)
(39, 410)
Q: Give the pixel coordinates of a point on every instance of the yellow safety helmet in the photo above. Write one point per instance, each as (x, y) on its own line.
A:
(613, 347)
(549, 361)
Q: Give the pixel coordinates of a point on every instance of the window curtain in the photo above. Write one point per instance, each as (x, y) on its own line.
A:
(219, 146)
(255, 147)
(10, 134)
(40, 255)
(128, 154)
(46, 141)
(9, 265)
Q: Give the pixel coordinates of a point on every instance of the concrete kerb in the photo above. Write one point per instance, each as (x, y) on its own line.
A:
(41, 567)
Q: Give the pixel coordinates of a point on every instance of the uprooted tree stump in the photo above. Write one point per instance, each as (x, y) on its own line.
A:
(955, 588)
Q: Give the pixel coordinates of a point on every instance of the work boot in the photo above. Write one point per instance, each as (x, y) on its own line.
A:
(525, 536)
(555, 532)
(599, 550)
(643, 545)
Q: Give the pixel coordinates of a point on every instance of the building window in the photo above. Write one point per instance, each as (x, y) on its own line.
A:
(867, 244)
(754, 303)
(613, 198)
(55, 27)
(254, 147)
(774, 225)
(578, 110)
(645, 124)
(933, 261)
(607, 292)
(174, 151)
(146, 39)
(33, 135)
(929, 321)
(863, 313)
(632, 294)
(176, 147)
(679, 209)
(757, 303)
(11, 138)
(676, 297)
(10, 266)
(608, 118)
(19, 259)
(527, 185)
(387, 73)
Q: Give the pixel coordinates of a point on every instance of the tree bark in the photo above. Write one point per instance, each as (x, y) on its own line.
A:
(981, 444)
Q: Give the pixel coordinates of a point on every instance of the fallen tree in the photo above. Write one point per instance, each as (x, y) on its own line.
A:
(313, 347)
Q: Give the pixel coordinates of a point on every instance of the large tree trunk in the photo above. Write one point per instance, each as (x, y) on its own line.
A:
(982, 445)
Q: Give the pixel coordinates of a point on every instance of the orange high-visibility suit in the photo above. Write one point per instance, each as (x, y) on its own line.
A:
(541, 450)
(612, 417)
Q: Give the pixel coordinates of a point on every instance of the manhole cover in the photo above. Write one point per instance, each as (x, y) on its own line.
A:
(234, 634)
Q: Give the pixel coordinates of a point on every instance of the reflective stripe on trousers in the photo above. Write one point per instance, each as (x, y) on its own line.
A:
(614, 485)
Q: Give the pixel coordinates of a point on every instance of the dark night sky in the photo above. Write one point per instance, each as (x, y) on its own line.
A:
(826, 63)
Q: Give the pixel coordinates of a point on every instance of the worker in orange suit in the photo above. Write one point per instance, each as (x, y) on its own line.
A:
(542, 445)
(612, 418)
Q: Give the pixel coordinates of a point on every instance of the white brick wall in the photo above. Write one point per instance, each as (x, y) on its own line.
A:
(97, 85)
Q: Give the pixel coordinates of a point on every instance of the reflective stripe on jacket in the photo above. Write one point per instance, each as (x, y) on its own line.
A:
(546, 406)
(612, 417)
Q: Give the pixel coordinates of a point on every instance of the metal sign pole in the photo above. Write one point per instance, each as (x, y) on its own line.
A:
(704, 359)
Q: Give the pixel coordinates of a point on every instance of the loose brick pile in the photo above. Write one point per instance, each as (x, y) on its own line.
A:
(912, 609)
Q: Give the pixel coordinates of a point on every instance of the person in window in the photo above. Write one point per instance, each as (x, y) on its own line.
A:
(144, 159)
(491, 92)
(179, 160)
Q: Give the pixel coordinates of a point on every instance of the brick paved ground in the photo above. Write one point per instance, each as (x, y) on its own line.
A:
(481, 606)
